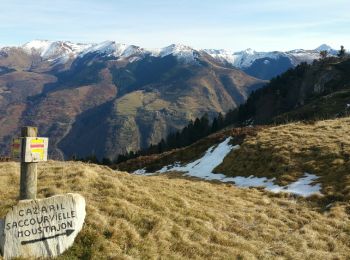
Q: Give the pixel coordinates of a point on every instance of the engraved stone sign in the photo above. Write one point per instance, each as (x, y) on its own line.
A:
(42, 227)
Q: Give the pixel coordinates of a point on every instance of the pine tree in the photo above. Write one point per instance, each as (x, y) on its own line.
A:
(204, 126)
(161, 146)
(215, 125)
(221, 120)
(341, 52)
(323, 54)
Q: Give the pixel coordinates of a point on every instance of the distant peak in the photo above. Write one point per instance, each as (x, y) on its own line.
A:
(249, 51)
(323, 47)
(178, 47)
(175, 49)
(36, 44)
(181, 51)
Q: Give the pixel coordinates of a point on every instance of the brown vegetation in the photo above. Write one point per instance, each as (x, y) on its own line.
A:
(286, 152)
(137, 217)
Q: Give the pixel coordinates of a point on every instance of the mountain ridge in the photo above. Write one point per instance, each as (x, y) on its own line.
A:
(50, 50)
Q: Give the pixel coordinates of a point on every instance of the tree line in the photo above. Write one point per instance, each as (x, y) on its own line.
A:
(194, 131)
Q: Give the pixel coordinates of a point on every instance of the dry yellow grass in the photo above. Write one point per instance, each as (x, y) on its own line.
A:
(138, 217)
(287, 151)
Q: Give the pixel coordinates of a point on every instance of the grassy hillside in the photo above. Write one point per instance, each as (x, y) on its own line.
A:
(160, 217)
(287, 151)
(282, 152)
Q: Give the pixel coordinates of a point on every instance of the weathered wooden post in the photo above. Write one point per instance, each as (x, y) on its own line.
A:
(28, 179)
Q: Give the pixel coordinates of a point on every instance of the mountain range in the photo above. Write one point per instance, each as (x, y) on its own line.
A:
(110, 98)
(263, 65)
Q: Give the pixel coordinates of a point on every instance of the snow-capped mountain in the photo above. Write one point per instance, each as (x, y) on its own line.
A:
(111, 48)
(181, 51)
(242, 59)
(264, 65)
(325, 47)
(59, 50)
(246, 58)
(54, 50)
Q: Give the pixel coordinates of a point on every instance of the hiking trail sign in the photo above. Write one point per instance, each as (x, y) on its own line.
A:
(30, 149)
(42, 227)
(38, 227)
(35, 149)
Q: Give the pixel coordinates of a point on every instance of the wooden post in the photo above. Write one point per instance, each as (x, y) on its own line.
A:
(28, 181)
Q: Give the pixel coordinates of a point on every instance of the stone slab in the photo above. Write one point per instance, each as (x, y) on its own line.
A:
(42, 227)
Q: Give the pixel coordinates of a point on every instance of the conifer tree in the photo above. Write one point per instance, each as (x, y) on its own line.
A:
(323, 54)
(341, 52)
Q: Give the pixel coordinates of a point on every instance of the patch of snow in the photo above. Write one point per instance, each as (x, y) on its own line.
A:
(106, 47)
(124, 50)
(324, 47)
(37, 45)
(302, 187)
(142, 172)
(180, 51)
(58, 51)
(117, 50)
(221, 55)
(203, 168)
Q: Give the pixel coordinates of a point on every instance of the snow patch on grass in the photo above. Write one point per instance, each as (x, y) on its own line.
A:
(214, 156)
(203, 167)
(302, 187)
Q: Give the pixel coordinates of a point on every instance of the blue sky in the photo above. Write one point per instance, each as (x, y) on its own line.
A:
(228, 24)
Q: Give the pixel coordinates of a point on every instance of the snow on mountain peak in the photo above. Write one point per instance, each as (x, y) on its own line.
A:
(181, 51)
(324, 47)
(38, 45)
(111, 48)
(247, 57)
(106, 47)
(221, 55)
(250, 51)
(62, 51)
(50, 50)
(174, 49)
